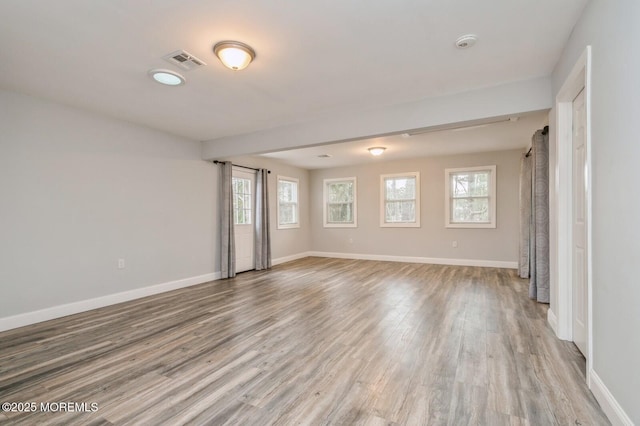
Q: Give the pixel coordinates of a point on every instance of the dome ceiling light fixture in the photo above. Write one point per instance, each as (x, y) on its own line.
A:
(234, 55)
(166, 77)
(376, 150)
(466, 41)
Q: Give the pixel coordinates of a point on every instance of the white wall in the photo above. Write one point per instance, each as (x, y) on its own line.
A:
(79, 191)
(285, 243)
(432, 239)
(613, 30)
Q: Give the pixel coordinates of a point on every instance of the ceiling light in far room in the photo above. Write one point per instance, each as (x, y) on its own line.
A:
(234, 54)
(376, 150)
(166, 77)
(466, 41)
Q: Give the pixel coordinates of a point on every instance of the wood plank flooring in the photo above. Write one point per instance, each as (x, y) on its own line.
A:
(315, 341)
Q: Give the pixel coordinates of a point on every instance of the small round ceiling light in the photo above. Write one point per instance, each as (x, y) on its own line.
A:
(166, 77)
(376, 150)
(234, 54)
(466, 41)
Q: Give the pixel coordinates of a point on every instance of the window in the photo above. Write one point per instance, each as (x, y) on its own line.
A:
(400, 200)
(340, 207)
(241, 201)
(288, 203)
(470, 197)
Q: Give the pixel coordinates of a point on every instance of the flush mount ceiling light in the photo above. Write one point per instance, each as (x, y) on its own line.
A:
(466, 41)
(377, 150)
(234, 54)
(167, 77)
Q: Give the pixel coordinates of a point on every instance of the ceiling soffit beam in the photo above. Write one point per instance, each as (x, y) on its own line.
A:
(498, 101)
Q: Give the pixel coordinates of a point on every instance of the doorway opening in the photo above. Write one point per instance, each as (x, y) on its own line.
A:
(571, 304)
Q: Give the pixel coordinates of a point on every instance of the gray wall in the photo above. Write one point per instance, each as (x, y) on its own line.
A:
(79, 190)
(612, 28)
(432, 239)
(284, 242)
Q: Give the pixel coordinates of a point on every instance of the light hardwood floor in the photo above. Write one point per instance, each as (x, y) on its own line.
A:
(314, 341)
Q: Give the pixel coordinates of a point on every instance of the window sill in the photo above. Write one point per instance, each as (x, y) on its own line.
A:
(290, 226)
(471, 225)
(400, 225)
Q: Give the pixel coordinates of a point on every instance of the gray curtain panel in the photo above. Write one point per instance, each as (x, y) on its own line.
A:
(525, 215)
(227, 237)
(263, 235)
(539, 236)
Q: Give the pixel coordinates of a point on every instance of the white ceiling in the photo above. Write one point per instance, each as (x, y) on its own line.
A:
(493, 135)
(313, 57)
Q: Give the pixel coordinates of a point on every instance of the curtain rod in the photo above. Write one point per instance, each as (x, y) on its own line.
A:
(544, 132)
(238, 165)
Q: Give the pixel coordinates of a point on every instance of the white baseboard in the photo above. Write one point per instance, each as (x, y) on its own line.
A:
(284, 259)
(608, 403)
(409, 259)
(553, 321)
(28, 318)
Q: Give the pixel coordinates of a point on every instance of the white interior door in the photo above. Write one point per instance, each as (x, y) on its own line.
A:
(243, 218)
(579, 244)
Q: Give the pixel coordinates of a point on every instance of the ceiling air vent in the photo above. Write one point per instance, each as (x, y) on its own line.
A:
(184, 60)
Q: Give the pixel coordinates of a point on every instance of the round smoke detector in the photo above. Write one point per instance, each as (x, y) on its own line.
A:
(466, 41)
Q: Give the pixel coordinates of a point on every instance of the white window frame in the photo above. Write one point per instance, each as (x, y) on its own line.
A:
(383, 201)
(492, 197)
(296, 203)
(325, 203)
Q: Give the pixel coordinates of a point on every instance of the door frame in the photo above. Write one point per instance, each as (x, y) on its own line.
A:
(562, 189)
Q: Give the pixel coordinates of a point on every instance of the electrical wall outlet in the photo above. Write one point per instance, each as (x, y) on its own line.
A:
(454, 244)
(120, 263)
